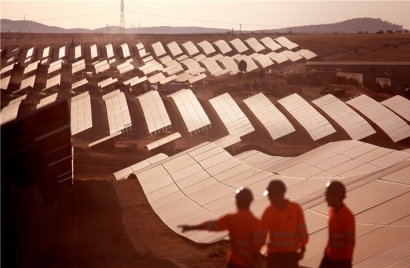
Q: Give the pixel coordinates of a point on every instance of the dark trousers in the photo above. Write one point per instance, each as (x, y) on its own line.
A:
(329, 263)
(283, 260)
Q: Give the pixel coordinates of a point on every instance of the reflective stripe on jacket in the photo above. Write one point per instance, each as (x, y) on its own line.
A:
(286, 228)
(246, 235)
(342, 235)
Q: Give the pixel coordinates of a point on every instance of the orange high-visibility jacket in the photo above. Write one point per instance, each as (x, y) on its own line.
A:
(342, 230)
(246, 235)
(286, 229)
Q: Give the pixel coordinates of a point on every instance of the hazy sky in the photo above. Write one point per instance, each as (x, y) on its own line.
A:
(206, 13)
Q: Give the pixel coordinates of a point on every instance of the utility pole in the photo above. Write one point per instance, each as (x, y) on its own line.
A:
(240, 29)
(122, 26)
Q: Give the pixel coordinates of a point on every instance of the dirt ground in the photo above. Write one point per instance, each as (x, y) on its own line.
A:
(107, 223)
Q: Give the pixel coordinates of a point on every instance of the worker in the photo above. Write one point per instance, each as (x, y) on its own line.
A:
(287, 233)
(246, 233)
(341, 225)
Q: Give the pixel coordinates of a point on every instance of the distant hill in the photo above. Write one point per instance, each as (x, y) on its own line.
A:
(349, 26)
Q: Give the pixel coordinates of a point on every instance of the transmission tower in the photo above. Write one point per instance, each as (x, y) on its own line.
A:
(122, 26)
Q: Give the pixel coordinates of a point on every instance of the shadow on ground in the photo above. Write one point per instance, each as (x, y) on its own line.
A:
(90, 232)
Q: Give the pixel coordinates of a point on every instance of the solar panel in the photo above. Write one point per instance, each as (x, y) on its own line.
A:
(61, 52)
(348, 119)
(239, 46)
(223, 46)
(399, 105)
(125, 50)
(231, 115)
(254, 44)
(158, 49)
(53, 81)
(135, 81)
(207, 48)
(263, 60)
(31, 67)
(163, 141)
(277, 57)
(190, 48)
(227, 141)
(174, 49)
(77, 52)
(197, 78)
(269, 43)
(47, 100)
(191, 110)
(213, 67)
(94, 51)
(154, 111)
(4, 84)
(125, 67)
(182, 57)
(315, 124)
(80, 83)
(110, 51)
(124, 173)
(142, 50)
(117, 111)
(7, 68)
(229, 64)
(107, 82)
(28, 82)
(395, 127)
(251, 65)
(285, 42)
(81, 116)
(307, 54)
(269, 116)
(46, 52)
(10, 112)
(78, 66)
(293, 56)
(190, 64)
(101, 66)
(30, 52)
(10, 60)
(55, 66)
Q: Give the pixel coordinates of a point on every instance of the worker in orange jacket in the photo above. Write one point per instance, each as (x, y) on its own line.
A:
(341, 240)
(246, 233)
(286, 228)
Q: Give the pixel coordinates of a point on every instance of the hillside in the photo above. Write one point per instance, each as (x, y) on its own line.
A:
(348, 26)
(370, 25)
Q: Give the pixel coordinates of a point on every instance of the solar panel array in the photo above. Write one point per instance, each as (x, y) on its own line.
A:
(10, 112)
(107, 82)
(263, 60)
(55, 66)
(174, 49)
(163, 141)
(79, 83)
(154, 111)
(125, 67)
(293, 56)
(190, 110)
(28, 82)
(101, 66)
(399, 105)
(269, 116)
(234, 120)
(110, 51)
(81, 116)
(315, 124)
(117, 111)
(7, 68)
(307, 54)
(283, 41)
(46, 52)
(158, 49)
(229, 64)
(61, 52)
(31, 67)
(207, 48)
(395, 127)
(269, 43)
(94, 51)
(135, 81)
(254, 44)
(30, 52)
(250, 63)
(223, 46)
(190, 48)
(77, 52)
(4, 84)
(347, 118)
(239, 46)
(125, 50)
(77, 66)
(53, 81)
(47, 100)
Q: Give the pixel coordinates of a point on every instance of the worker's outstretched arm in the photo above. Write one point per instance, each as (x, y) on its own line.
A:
(186, 228)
